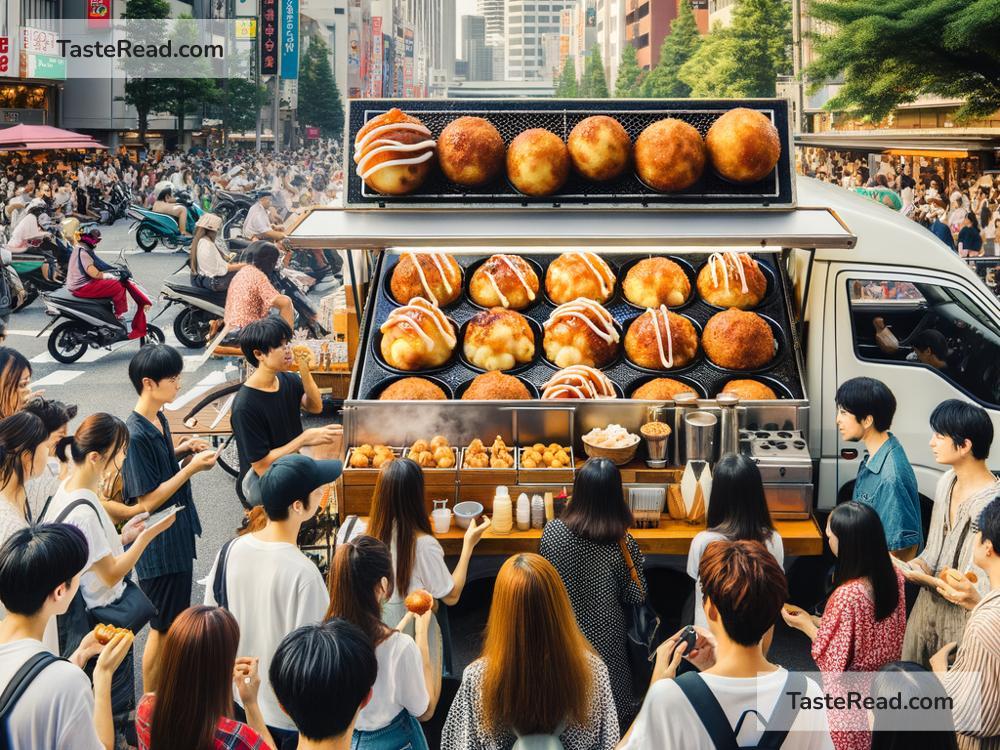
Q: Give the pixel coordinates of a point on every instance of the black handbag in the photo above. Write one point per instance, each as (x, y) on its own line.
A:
(642, 631)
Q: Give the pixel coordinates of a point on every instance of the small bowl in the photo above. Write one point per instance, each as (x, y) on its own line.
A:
(619, 456)
(467, 511)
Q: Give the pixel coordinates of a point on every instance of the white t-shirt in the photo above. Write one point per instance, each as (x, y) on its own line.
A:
(210, 262)
(399, 684)
(668, 720)
(42, 487)
(701, 540)
(102, 540)
(273, 589)
(257, 221)
(57, 708)
(27, 228)
(429, 569)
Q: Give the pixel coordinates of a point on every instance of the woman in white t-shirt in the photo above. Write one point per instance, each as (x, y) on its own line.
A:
(210, 269)
(737, 510)
(399, 520)
(408, 685)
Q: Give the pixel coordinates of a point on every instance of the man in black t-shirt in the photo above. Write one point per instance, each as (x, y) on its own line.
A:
(267, 411)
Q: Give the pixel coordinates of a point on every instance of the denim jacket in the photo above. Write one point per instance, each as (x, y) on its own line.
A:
(886, 482)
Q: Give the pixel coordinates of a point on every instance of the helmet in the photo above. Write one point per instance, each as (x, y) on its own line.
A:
(70, 227)
(92, 237)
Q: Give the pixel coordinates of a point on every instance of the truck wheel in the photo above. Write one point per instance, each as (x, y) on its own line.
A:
(145, 238)
(67, 343)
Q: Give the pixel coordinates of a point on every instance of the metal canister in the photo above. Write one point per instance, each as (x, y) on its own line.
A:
(699, 436)
(729, 431)
(683, 403)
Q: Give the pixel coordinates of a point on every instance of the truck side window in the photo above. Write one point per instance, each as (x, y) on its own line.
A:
(916, 324)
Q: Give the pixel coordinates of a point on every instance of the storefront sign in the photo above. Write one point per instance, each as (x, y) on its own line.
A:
(5, 56)
(38, 41)
(408, 62)
(312, 132)
(246, 28)
(269, 38)
(290, 39)
(376, 61)
(42, 66)
(98, 13)
(246, 8)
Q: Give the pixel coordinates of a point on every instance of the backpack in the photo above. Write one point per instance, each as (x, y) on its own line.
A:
(713, 718)
(18, 684)
(219, 588)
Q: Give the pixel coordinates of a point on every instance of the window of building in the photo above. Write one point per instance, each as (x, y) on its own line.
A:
(932, 326)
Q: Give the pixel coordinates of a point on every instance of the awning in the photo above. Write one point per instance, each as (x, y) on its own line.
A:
(951, 143)
(42, 138)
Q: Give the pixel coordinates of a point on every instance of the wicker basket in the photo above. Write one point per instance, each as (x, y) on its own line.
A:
(620, 456)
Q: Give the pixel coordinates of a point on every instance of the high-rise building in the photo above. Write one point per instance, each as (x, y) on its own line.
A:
(526, 22)
(478, 57)
(647, 22)
(609, 22)
(492, 11)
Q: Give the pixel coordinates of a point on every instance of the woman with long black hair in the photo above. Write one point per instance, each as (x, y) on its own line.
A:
(737, 510)
(862, 626)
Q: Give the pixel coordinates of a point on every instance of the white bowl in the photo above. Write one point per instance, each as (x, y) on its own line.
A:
(466, 511)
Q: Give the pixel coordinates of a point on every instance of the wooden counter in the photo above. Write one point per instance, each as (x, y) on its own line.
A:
(799, 538)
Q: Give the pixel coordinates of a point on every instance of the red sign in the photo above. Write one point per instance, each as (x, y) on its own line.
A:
(312, 132)
(269, 37)
(98, 13)
(4, 55)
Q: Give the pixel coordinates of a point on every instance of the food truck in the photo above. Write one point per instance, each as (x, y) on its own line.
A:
(550, 327)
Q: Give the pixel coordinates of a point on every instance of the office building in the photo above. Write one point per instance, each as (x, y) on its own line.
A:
(477, 56)
(526, 23)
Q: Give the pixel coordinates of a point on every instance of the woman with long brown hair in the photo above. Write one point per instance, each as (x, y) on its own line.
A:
(15, 381)
(537, 674)
(399, 520)
(193, 706)
(408, 684)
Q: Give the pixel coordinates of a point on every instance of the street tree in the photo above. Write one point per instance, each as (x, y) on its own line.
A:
(567, 88)
(144, 93)
(892, 52)
(186, 95)
(319, 97)
(678, 47)
(629, 83)
(595, 84)
(240, 101)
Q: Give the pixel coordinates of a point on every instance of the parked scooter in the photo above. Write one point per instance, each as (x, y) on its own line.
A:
(152, 228)
(91, 323)
(28, 265)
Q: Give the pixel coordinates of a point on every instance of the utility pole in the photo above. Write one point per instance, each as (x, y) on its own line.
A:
(277, 110)
(797, 66)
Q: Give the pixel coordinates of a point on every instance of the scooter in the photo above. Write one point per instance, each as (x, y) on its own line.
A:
(201, 307)
(91, 323)
(151, 227)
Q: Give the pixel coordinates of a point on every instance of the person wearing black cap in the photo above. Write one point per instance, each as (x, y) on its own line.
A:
(258, 225)
(270, 587)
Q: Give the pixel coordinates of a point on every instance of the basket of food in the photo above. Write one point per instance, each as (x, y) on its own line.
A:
(613, 442)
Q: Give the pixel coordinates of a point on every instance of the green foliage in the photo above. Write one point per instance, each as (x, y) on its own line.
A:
(240, 102)
(891, 52)
(144, 93)
(745, 59)
(629, 83)
(679, 46)
(319, 98)
(595, 84)
(185, 95)
(566, 88)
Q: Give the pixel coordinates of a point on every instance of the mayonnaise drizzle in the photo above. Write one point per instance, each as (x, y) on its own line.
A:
(411, 316)
(587, 310)
(363, 154)
(520, 277)
(599, 268)
(580, 381)
(436, 258)
(666, 359)
(359, 144)
(727, 259)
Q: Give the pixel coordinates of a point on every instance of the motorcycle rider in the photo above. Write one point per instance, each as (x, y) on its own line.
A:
(89, 277)
(168, 205)
(29, 233)
(258, 225)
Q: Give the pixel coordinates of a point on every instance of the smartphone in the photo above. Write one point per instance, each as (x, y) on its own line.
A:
(690, 637)
(163, 515)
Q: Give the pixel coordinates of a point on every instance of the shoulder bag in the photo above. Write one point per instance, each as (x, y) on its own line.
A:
(642, 626)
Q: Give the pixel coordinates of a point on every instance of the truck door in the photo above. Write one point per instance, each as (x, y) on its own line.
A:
(943, 342)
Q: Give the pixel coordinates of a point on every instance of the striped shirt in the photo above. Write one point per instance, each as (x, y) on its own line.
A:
(979, 655)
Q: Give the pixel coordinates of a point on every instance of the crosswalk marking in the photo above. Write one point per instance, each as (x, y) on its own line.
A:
(59, 377)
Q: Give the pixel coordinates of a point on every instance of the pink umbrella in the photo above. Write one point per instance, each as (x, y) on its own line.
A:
(43, 137)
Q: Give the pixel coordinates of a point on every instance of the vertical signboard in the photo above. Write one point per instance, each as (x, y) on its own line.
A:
(354, 74)
(408, 62)
(376, 59)
(5, 56)
(98, 14)
(40, 56)
(290, 39)
(268, 37)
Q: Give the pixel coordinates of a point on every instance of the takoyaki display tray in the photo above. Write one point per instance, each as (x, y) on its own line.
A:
(783, 375)
(513, 116)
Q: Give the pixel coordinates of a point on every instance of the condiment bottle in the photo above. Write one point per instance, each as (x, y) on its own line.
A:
(523, 512)
(503, 520)
(537, 512)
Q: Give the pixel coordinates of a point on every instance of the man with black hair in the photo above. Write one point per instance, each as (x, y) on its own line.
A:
(263, 578)
(322, 676)
(930, 347)
(962, 434)
(885, 481)
(152, 478)
(257, 225)
(40, 570)
(267, 411)
(973, 683)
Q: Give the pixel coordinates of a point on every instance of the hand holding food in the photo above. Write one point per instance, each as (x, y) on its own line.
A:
(419, 601)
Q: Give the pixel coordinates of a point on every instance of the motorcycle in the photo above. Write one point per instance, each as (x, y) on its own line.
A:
(151, 227)
(91, 323)
(233, 208)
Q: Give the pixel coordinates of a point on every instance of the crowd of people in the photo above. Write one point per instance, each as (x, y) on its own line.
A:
(964, 212)
(278, 656)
